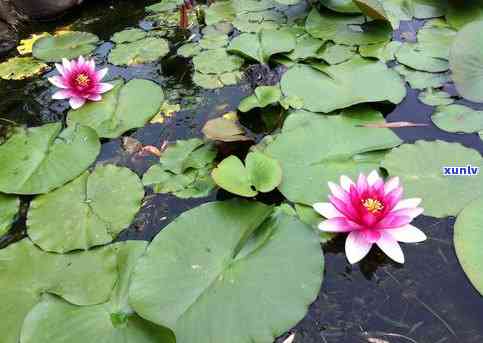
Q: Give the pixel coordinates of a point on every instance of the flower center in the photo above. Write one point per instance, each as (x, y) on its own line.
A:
(82, 80)
(372, 205)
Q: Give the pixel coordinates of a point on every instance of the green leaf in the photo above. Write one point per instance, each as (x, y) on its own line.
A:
(468, 238)
(19, 68)
(275, 42)
(372, 8)
(85, 278)
(420, 167)
(216, 61)
(128, 36)
(126, 107)
(231, 175)
(348, 30)
(333, 87)
(234, 261)
(146, 50)
(256, 21)
(56, 321)
(164, 6)
(314, 149)
(458, 118)
(189, 50)
(268, 95)
(466, 61)
(336, 53)
(422, 80)
(342, 6)
(434, 97)
(384, 52)
(9, 206)
(461, 13)
(97, 206)
(424, 9)
(310, 217)
(224, 130)
(265, 172)
(37, 160)
(64, 45)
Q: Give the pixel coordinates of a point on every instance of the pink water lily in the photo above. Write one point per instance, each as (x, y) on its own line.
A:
(373, 212)
(79, 81)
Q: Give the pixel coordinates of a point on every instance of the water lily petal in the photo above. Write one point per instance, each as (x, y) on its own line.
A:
(362, 184)
(407, 234)
(67, 65)
(338, 225)
(408, 212)
(346, 183)
(101, 73)
(338, 192)
(391, 221)
(95, 97)
(58, 82)
(62, 94)
(104, 87)
(407, 203)
(390, 185)
(76, 102)
(372, 236)
(388, 244)
(327, 210)
(373, 177)
(356, 247)
(60, 69)
(344, 207)
(81, 61)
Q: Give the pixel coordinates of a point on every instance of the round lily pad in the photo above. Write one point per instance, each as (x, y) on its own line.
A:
(91, 210)
(64, 45)
(458, 118)
(128, 36)
(19, 68)
(125, 107)
(421, 167)
(468, 238)
(9, 206)
(141, 51)
(216, 61)
(56, 321)
(218, 265)
(85, 278)
(466, 61)
(342, 6)
(39, 159)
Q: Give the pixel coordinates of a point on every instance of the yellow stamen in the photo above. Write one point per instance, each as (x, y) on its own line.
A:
(372, 205)
(82, 80)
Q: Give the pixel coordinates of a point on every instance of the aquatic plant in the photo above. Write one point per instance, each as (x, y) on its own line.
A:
(372, 212)
(79, 81)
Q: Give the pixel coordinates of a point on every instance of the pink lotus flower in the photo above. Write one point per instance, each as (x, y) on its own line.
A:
(372, 212)
(79, 81)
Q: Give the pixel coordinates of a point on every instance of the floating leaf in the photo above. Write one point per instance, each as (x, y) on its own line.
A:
(434, 97)
(37, 160)
(422, 80)
(213, 81)
(9, 206)
(189, 50)
(263, 97)
(421, 169)
(85, 278)
(310, 217)
(384, 52)
(467, 62)
(25, 46)
(19, 68)
(224, 130)
(56, 321)
(141, 51)
(342, 6)
(164, 6)
(126, 107)
(326, 90)
(468, 238)
(128, 36)
(64, 45)
(372, 8)
(458, 118)
(256, 21)
(461, 13)
(97, 207)
(347, 149)
(235, 261)
(424, 9)
(306, 47)
(216, 61)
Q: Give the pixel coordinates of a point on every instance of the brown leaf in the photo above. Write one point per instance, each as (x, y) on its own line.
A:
(394, 124)
(225, 130)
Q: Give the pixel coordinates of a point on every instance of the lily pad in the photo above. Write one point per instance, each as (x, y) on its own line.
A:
(458, 118)
(260, 173)
(256, 21)
(461, 13)
(19, 68)
(336, 53)
(224, 130)
(421, 79)
(94, 209)
(348, 30)
(189, 50)
(326, 90)
(9, 206)
(263, 97)
(85, 278)
(128, 36)
(421, 169)
(342, 6)
(466, 62)
(434, 97)
(228, 253)
(384, 52)
(125, 107)
(146, 50)
(55, 321)
(468, 237)
(216, 61)
(424, 9)
(68, 45)
(37, 160)
(310, 217)
(308, 165)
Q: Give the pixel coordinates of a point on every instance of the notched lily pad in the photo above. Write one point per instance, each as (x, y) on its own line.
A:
(141, 51)
(458, 118)
(68, 45)
(19, 68)
(128, 36)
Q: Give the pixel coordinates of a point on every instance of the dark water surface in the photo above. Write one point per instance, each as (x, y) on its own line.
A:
(426, 300)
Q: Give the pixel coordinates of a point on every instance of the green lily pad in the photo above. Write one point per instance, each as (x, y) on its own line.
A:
(189, 50)
(458, 118)
(213, 81)
(336, 53)
(64, 45)
(125, 107)
(342, 6)
(85, 278)
(260, 173)
(216, 61)
(146, 50)
(466, 62)
(310, 217)
(461, 13)
(263, 97)
(384, 52)
(468, 237)
(224, 130)
(306, 47)
(412, 55)
(372, 8)
(256, 21)
(164, 6)
(9, 206)
(19, 68)
(425, 9)
(234, 260)
(325, 90)
(420, 167)
(128, 36)
(348, 30)
(56, 321)
(37, 160)
(97, 207)
(434, 97)
(347, 149)
(421, 79)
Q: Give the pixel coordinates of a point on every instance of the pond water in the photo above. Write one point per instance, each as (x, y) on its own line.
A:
(427, 300)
